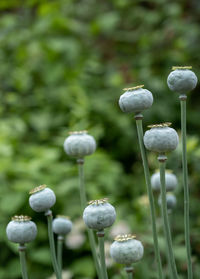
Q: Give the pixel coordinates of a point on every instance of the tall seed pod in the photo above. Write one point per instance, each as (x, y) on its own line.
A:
(136, 100)
(42, 199)
(170, 181)
(98, 215)
(78, 145)
(161, 139)
(182, 80)
(127, 250)
(61, 226)
(21, 230)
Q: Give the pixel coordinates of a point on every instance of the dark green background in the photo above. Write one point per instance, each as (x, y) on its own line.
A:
(63, 65)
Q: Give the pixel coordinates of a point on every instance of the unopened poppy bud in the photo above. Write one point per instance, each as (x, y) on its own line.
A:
(170, 181)
(61, 225)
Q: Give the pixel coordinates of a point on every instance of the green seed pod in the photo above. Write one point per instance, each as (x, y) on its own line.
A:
(182, 79)
(171, 201)
(62, 225)
(21, 229)
(126, 249)
(79, 144)
(42, 198)
(170, 181)
(99, 214)
(135, 99)
(161, 138)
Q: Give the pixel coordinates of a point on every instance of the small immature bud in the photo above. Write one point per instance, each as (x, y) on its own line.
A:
(99, 214)
(161, 138)
(42, 198)
(135, 99)
(182, 79)
(62, 225)
(171, 201)
(21, 229)
(126, 249)
(79, 144)
(170, 181)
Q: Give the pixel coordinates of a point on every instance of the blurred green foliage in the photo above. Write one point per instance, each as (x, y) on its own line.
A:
(63, 66)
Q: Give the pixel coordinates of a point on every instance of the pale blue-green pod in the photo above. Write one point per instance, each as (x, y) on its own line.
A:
(135, 99)
(170, 181)
(99, 214)
(182, 80)
(171, 201)
(79, 144)
(126, 250)
(62, 225)
(161, 138)
(42, 198)
(21, 229)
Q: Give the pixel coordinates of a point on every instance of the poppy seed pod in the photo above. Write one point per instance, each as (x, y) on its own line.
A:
(161, 138)
(170, 181)
(42, 198)
(21, 229)
(79, 144)
(135, 99)
(171, 201)
(61, 225)
(182, 79)
(126, 249)
(99, 214)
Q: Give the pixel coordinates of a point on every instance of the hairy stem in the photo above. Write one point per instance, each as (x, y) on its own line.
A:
(22, 255)
(185, 185)
(52, 245)
(150, 194)
(83, 205)
(60, 240)
(100, 235)
(167, 232)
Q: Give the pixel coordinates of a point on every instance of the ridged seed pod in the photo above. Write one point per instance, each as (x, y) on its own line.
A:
(79, 144)
(171, 201)
(161, 138)
(126, 249)
(21, 229)
(42, 198)
(99, 214)
(135, 99)
(182, 80)
(61, 225)
(170, 181)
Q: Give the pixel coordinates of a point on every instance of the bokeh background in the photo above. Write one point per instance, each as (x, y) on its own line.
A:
(63, 65)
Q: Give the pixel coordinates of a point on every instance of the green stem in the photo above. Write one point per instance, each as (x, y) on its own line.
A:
(22, 249)
(83, 205)
(60, 240)
(52, 245)
(162, 162)
(129, 271)
(150, 193)
(100, 235)
(185, 185)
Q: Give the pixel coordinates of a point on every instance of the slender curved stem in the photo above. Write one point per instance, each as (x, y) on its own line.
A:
(167, 232)
(102, 254)
(129, 275)
(150, 194)
(83, 205)
(22, 255)
(185, 185)
(60, 240)
(52, 245)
